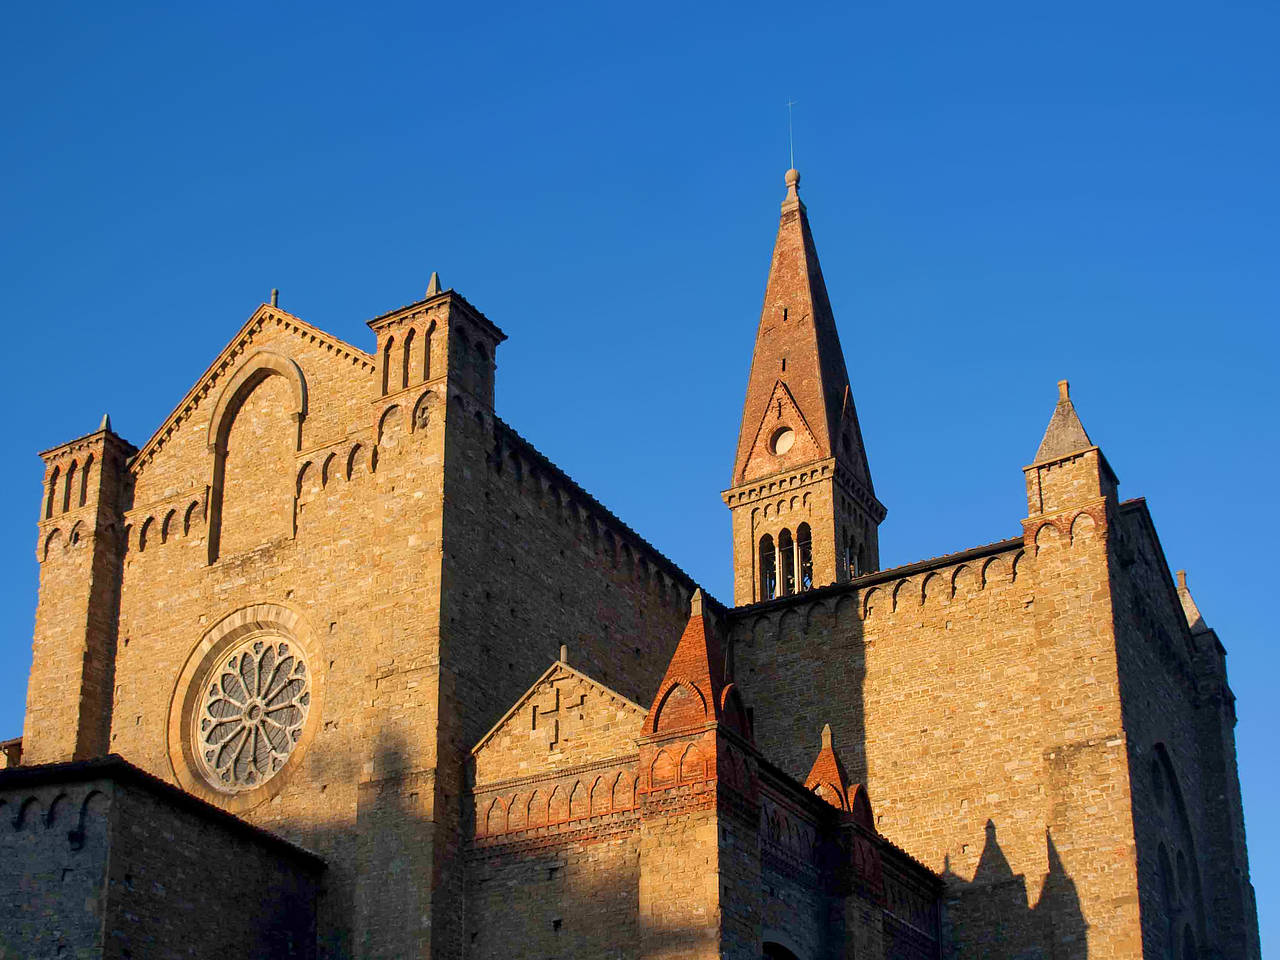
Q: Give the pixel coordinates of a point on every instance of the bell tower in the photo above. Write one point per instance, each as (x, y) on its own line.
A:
(804, 511)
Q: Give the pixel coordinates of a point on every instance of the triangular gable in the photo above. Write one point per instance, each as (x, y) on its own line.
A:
(224, 364)
(564, 720)
(781, 411)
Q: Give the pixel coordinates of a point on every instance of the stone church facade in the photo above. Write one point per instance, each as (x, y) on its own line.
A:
(337, 664)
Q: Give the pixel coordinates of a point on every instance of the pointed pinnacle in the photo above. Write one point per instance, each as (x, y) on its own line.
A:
(826, 736)
(433, 286)
(106, 422)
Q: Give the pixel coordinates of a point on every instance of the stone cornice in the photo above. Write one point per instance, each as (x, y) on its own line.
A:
(421, 307)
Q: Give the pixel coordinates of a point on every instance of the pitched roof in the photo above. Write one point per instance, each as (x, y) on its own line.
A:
(1065, 433)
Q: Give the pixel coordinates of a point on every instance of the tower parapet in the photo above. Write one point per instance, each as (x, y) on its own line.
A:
(81, 550)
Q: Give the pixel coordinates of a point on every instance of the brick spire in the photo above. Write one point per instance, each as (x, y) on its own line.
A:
(694, 691)
(798, 379)
(827, 778)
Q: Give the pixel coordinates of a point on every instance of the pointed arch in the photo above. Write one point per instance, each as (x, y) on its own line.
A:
(53, 492)
(579, 801)
(427, 340)
(84, 479)
(387, 350)
(406, 358)
(68, 488)
(693, 765)
(601, 796)
(167, 527)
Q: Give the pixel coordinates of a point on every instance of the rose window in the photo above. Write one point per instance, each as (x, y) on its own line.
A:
(252, 714)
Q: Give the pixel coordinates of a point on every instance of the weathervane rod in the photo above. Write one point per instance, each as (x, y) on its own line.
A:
(791, 137)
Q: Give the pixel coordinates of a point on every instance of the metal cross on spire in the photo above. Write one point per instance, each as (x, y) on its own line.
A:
(791, 138)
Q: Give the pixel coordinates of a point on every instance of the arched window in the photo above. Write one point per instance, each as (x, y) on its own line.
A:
(53, 492)
(408, 352)
(426, 355)
(768, 569)
(804, 550)
(787, 554)
(386, 365)
(67, 496)
(84, 479)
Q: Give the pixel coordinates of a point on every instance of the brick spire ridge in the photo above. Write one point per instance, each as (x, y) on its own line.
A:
(1065, 433)
(694, 691)
(798, 377)
(827, 778)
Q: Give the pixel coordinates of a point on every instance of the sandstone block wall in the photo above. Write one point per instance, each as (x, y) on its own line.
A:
(110, 865)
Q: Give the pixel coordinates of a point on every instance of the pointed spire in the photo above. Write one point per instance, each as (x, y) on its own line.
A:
(1194, 618)
(827, 777)
(106, 422)
(433, 285)
(799, 407)
(1065, 433)
(693, 691)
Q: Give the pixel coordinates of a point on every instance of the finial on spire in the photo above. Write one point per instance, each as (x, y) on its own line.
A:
(826, 736)
(695, 603)
(433, 286)
(793, 184)
(275, 297)
(106, 422)
(564, 653)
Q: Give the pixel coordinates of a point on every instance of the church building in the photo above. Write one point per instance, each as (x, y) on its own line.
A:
(337, 665)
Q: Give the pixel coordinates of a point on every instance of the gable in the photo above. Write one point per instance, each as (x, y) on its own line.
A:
(781, 414)
(325, 377)
(565, 720)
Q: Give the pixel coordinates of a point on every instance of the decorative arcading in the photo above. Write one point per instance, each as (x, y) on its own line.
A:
(558, 804)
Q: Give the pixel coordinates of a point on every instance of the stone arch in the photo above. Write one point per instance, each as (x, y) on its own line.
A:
(252, 371)
(387, 352)
(871, 602)
(517, 811)
(681, 705)
(762, 631)
(964, 581)
(1047, 537)
(29, 812)
(352, 470)
(52, 539)
(52, 497)
(421, 417)
(579, 801)
(664, 771)
(258, 367)
(189, 516)
(84, 479)
(68, 487)
(167, 525)
(558, 805)
(74, 537)
(693, 765)
(390, 425)
(329, 470)
(407, 360)
(601, 796)
(901, 593)
(791, 629)
(624, 791)
(145, 532)
(994, 572)
(537, 809)
(495, 818)
(1083, 527)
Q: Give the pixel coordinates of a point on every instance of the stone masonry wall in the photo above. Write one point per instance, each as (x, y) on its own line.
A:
(112, 868)
(1193, 881)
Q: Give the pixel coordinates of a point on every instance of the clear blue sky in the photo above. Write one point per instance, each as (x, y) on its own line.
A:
(1003, 194)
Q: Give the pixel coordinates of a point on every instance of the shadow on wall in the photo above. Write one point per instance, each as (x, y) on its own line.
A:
(991, 915)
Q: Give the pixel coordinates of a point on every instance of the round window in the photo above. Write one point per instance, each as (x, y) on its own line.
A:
(251, 713)
(782, 440)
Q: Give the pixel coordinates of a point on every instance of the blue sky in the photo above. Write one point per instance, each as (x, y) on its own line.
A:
(1003, 194)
